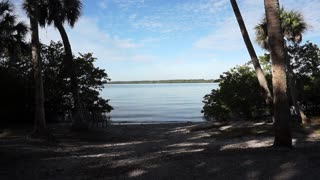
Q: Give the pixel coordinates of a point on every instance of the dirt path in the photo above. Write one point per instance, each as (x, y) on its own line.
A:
(165, 151)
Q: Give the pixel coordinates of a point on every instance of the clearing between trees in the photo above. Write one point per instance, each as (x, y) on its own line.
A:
(239, 150)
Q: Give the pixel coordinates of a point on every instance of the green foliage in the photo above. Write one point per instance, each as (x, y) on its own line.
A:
(265, 63)
(18, 95)
(239, 93)
(91, 79)
(238, 96)
(292, 25)
(305, 59)
(57, 85)
(214, 106)
(306, 65)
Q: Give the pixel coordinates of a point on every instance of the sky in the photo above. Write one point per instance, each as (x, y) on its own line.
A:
(169, 39)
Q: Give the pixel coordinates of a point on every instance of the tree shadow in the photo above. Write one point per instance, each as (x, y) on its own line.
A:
(157, 152)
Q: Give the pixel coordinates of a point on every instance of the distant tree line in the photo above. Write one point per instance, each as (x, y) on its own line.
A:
(164, 81)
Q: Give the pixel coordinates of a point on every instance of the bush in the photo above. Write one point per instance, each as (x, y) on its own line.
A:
(238, 96)
(239, 93)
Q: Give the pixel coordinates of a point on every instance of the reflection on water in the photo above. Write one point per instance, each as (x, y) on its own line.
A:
(157, 102)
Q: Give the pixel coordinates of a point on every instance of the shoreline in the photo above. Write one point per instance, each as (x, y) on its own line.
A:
(152, 122)
(164, 81)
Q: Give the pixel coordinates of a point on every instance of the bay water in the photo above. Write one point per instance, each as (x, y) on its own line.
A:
(157, 103)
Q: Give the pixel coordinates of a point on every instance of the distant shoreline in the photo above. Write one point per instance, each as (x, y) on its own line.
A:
(164, 81)
(153, 122)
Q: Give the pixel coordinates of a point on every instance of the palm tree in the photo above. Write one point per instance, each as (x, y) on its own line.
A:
(261, 78)
(12, 33)
(32, 9)
(277, 51)
(58, 12)
(292, 25)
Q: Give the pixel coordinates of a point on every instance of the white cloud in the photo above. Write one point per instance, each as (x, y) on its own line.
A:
(87, 37)
(226, 35)
(175, 18)
(144, 58)
(103, 4)
(132, 17)
(125, 43)
(126, 4)
(226, 38)
(205, 6)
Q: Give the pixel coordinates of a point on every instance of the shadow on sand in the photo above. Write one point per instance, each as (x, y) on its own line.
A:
(163, 151)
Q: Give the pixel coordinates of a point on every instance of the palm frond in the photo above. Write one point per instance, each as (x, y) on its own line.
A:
(261, 37)
(5, 6)
(293, 26)
(73, 10)
(26, 5)
(21, 29)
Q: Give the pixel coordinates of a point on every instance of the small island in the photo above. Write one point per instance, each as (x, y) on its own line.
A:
(164, 81)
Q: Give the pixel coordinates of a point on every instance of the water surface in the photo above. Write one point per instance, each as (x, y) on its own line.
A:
(157, 102)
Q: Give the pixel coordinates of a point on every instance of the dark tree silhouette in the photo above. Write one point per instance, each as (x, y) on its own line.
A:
(58, 12)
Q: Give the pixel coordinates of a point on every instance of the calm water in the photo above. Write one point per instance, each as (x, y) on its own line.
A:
(157, 102)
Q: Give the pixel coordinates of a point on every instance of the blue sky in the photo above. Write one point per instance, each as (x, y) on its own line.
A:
(170, 39)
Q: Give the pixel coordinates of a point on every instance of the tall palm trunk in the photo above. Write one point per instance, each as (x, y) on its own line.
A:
(281, 108)
(261, 78)
(40, 122)
(79, 121)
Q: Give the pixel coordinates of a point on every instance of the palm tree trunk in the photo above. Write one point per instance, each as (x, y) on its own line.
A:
(255, 61)
(79, 121)
(40, 122)
(280, 100)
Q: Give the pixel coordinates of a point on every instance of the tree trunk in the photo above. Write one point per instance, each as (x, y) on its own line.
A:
(280, 100)
(40, 122)
(255, 61)
(79, 120)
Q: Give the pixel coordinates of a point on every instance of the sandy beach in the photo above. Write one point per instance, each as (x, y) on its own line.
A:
(159, 151)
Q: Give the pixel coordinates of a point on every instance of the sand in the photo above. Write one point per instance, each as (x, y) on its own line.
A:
(157, 151)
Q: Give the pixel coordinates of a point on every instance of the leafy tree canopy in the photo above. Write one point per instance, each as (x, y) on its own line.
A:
(239, 95)
(17, 78)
